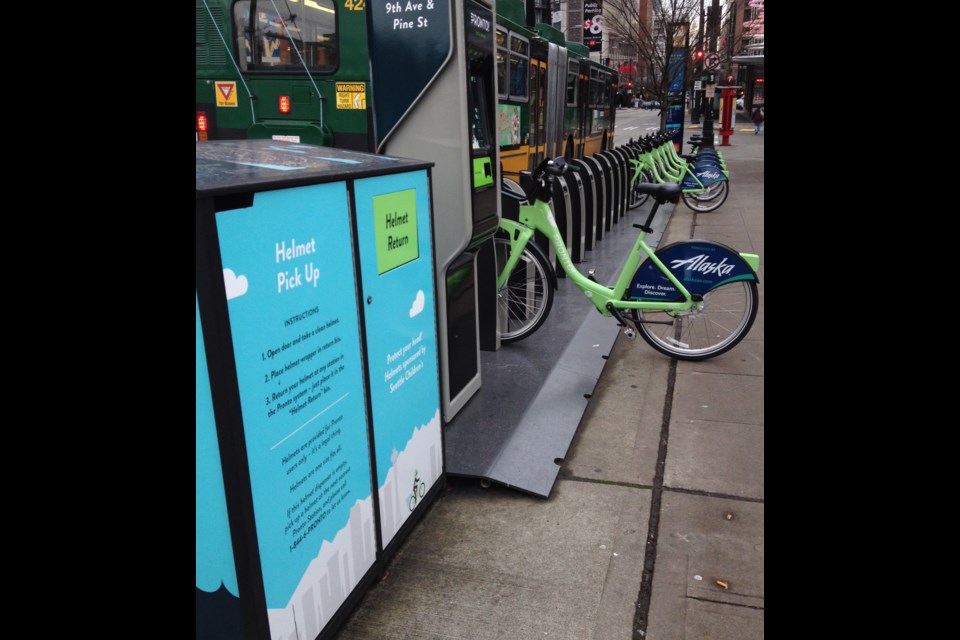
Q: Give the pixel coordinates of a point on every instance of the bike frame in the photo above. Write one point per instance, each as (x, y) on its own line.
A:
(539, 217)
(646, 160)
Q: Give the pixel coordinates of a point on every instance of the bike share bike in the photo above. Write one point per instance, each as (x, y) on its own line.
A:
(690, 300)
(703, 178)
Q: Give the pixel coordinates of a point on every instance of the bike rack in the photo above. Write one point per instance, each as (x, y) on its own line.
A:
(577, 214)
(607, 172)
(599, 197)
(588, 183)
(630, 153)
(563, 214)
(624, 175)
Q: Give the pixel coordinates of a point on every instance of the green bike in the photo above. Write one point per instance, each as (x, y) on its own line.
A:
(689, 300)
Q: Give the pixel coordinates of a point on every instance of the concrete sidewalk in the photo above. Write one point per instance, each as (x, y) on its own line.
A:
(654, 528)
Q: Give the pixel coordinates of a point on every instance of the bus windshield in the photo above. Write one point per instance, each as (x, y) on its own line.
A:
(264, 38)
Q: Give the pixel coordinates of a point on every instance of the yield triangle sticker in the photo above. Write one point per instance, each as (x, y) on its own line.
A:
(226, 94)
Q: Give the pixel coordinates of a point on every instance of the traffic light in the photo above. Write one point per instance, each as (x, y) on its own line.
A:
(698, 55)
(629, 85)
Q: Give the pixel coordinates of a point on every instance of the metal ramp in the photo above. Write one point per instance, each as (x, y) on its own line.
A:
(517, 429)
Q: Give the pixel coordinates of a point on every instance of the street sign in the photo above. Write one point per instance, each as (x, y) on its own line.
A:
(697, 85)
(711, 90)
(712, 61)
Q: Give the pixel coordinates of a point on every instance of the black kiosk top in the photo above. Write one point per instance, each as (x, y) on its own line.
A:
(231, 166)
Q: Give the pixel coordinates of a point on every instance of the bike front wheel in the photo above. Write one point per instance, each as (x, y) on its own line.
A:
(636, 198)
(717, 196)
(525, 300)
(714, 326)
(710, 192)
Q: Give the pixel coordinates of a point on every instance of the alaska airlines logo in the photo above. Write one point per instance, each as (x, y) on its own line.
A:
(704, 266)
(481, 23)
(708, 174)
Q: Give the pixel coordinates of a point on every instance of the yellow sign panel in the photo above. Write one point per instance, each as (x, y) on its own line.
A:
(226, 94)
(351, 95)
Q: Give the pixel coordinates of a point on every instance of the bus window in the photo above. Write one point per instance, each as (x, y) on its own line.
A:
(501, 64)
(264, 41)
(596, 91)
(573, 71)
(519, 63)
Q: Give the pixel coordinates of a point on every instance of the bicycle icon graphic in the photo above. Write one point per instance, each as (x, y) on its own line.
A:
(419, 489)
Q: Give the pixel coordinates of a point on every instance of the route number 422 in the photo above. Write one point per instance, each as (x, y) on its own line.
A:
(354, 5)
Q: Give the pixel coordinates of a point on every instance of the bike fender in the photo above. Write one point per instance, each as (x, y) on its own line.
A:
(700, 265)
(706, 175)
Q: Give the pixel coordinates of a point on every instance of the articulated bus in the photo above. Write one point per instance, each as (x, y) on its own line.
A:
(302, 76)
(553, 99)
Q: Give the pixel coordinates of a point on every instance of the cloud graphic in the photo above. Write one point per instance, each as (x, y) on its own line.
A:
(236, 285)
(417, 304)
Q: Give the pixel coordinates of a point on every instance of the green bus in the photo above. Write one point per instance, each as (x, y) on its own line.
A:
(300, 75)
(553, 99)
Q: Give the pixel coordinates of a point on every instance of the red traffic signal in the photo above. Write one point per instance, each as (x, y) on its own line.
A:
(698, 55)
(629, 85)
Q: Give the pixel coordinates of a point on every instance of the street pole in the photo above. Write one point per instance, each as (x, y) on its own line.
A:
(713, 26)
(697, 95)
(708, 110)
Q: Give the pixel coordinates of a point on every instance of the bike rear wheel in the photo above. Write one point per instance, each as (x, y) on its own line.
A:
(525, 300)
(694, 201)
(713, 327)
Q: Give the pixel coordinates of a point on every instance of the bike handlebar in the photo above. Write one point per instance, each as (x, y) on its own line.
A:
(543, 176)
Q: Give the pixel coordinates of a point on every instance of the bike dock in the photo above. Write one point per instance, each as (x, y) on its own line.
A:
(518, 428)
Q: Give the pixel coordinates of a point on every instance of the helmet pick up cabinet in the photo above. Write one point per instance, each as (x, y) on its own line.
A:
(318, 403)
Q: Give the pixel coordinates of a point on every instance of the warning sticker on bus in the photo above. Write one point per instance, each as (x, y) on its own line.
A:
(226, 94)
(351, 95)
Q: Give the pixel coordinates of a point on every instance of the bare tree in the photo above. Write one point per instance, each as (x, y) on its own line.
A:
(653, 31)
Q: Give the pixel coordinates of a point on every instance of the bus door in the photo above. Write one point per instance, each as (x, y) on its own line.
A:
(538, 111)
(555, 99)
(571, 115)
(513, 86)
(585, 110)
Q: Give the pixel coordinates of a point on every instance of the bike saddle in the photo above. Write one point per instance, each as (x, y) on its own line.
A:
(660, 192)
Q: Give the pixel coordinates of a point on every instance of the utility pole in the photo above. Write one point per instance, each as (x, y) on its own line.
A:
(697, 72)
(574, 20)
(713, 27)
